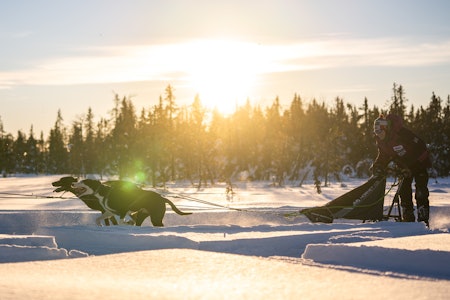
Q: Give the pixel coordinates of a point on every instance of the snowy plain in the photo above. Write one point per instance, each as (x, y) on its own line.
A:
(233, 246)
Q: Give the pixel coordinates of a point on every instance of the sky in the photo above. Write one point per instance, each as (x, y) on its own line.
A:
(75, 55)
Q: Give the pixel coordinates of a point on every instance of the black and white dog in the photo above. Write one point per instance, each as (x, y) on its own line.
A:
(124, 198)
(64, 184)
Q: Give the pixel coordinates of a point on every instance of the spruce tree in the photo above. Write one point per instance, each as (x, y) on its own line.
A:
(33, 154)
(57, 149)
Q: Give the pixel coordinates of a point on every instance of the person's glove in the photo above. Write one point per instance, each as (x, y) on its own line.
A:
(378, 172)
(406, 173)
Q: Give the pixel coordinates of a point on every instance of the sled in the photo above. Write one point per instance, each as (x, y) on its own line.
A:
(362, 203)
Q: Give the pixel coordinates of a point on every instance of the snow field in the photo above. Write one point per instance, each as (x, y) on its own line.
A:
(50, 248)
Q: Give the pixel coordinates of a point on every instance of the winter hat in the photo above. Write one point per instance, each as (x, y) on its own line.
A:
(380, 124)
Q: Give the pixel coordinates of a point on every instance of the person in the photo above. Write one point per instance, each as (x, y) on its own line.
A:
(409, 152)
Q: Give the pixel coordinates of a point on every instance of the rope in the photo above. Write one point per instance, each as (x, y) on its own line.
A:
(19, 196)
(193, 199)
(190, 198)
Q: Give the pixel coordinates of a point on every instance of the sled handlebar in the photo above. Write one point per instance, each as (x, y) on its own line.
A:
(398, 172)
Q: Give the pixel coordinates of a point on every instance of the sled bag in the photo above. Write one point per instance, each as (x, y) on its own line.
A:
(362, 203)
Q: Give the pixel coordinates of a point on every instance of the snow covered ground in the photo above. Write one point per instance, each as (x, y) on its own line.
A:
(50, 248)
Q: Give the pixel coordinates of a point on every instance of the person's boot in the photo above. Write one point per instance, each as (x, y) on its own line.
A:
(423, 214)
(408, 215)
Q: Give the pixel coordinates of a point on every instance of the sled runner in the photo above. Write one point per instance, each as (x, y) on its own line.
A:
(362, 203)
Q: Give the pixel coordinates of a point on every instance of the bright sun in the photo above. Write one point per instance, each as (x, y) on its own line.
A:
(223, 73)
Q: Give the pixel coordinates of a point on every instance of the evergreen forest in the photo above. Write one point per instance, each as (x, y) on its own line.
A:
(167, 142)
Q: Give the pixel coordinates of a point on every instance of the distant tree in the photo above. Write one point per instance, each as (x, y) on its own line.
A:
(171, 109)
(57, 150)
(366, 129)
(275, 144)
(32, 158)
(124, 138)
(198, 140)
(398, 101)
(296, 137)
(7, 155)
(103, 148)
(42, 154)
(432, 131)
(7, 162)
(171, 106)
(354, 144)
(76, 149)
(317, 128)
(90, 153)
(153, 138)
(445, 152)
(20, 152)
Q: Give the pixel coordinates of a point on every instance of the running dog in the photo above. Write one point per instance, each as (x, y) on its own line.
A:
(122, 198)
(64, 184)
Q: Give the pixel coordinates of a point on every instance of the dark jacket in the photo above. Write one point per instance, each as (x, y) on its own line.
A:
(402, 146)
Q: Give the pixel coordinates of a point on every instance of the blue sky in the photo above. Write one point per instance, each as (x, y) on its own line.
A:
(72, 55)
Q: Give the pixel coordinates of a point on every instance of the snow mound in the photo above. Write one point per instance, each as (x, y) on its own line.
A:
(14, 248)
(406, 255)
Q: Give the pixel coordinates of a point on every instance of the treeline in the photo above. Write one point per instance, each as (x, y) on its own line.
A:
(167, 142)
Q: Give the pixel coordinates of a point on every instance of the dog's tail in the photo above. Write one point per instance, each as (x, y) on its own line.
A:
(175, 209)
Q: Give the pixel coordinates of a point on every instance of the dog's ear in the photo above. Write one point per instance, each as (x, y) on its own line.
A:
(69, 179)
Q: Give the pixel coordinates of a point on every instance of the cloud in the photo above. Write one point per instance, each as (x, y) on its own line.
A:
(372, 52)
(164, 62)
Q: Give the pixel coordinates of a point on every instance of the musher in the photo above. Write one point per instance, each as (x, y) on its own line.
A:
(409, 152)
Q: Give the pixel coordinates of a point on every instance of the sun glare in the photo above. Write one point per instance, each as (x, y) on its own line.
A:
(223, 73)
